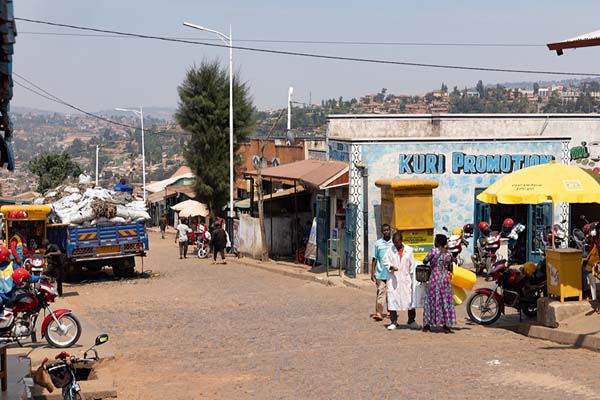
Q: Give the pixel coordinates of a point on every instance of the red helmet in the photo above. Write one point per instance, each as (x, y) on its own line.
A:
(4, 254)
(21, 277)
(12, 214)
(484, 226)
(508, 223)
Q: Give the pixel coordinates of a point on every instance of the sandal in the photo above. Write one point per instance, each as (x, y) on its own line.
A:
(427, 328)
(446, 329)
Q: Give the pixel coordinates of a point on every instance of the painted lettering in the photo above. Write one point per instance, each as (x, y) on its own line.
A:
(405, 162)
(458, 162)
(493, 163)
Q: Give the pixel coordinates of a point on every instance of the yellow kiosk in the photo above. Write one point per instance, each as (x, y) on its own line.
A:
(407, 205)
(28, 220)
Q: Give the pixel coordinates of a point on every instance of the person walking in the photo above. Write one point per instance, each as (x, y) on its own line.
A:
(162, 223)
(219, 242)
(400, 263)
(439, 303)
(55, 267)
(182, 238)
(379, 274)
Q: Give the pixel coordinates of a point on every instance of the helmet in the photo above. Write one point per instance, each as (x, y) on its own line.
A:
(21, 214)
(484, 226)
(508, 223)
(21, 277)
(4, 254)
(468, 228)
(12, 214)
(457, 231)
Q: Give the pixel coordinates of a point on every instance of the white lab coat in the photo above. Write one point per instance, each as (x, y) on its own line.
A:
(400, 283)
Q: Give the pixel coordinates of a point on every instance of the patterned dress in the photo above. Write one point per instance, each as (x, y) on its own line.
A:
(439, 303)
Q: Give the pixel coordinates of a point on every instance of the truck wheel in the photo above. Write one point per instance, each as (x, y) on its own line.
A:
(124, 268)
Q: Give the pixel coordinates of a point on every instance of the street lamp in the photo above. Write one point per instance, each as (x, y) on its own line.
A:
(140, 113)
(228, 40)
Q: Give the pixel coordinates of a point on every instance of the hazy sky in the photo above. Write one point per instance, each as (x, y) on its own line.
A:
(98, 73)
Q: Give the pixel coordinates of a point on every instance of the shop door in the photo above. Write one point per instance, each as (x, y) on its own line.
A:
(539, 218)
(350, 241)
(322, 227)
(482, 213)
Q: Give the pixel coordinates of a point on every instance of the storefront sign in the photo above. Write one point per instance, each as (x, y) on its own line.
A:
(463, 163)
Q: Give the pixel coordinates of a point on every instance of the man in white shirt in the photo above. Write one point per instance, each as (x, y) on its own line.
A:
(182, 238)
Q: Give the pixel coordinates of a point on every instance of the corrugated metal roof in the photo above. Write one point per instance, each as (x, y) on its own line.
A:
(312, 172)
(585, 40)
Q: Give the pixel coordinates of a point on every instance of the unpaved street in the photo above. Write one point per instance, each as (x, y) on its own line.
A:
(233, 331)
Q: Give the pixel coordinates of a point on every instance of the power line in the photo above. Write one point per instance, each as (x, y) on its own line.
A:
(58, 100)
(311, 55)
(336, 42)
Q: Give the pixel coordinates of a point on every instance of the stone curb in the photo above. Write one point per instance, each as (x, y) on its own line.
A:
(587, 341)
(285, 272)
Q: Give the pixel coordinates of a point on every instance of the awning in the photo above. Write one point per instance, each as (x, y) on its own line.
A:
(315, 173)
(267, 197)
(586, 40)
(170, 192)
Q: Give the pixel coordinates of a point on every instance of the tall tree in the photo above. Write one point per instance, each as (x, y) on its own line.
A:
(480, 89)
(203, 111)
(53, 169)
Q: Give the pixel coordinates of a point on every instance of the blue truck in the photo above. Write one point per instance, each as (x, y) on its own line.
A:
(96, 246)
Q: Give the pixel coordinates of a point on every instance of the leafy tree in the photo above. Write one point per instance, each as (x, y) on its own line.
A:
(444, 88)
(53, 169)
(480, 89)
(536, 88)
(203, 111)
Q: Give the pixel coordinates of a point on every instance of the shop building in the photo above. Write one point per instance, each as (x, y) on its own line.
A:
(465, 153)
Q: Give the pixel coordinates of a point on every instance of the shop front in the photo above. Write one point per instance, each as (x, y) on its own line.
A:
(464, 154)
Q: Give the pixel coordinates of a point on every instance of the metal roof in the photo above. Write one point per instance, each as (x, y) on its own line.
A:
(312, 172)
(585, 40)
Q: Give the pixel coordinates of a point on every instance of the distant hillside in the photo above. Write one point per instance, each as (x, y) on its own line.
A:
(529, 84)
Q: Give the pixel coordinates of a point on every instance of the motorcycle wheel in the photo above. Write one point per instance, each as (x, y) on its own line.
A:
(203, 252)
(530, 310)
(57, 339)
(480, 314)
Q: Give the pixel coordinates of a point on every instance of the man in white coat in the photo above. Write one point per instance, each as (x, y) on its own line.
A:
(400, 262)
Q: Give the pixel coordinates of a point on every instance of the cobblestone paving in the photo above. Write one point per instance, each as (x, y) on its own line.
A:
(232, 331)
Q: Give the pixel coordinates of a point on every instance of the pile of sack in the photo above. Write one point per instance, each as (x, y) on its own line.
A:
(83, 204)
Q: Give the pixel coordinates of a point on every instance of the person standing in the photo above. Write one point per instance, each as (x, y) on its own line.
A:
(182, 238)
(219, 242)
(379, 274)
(400, 263)
(439, 303)
(162, 223)
(18, 249)
(55, 267)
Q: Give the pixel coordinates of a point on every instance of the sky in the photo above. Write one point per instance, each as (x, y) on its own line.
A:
(101, 73)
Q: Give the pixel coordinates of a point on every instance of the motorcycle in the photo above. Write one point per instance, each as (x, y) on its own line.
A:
(516, 288)
(35, 264)
(457, 240)
(64, 372)
(487, 246)
(201, 242)
(60, 327)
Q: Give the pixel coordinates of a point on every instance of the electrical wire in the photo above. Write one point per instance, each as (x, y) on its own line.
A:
(312, 55)
(336, 42)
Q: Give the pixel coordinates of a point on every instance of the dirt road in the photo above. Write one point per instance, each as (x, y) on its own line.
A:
(233, 331)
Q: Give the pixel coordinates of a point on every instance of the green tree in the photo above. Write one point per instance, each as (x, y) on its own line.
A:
(536, 88)
(480, 89)
(53, 169)
(203, 111)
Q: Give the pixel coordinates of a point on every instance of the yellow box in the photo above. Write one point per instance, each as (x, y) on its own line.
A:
(563, 269)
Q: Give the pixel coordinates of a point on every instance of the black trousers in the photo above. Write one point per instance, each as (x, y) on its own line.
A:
(56, 271)
(412, 315)
(218, 250)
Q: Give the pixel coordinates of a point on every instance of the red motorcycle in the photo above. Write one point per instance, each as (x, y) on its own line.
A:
(35, 263)
(513, 288)
(60, 327)
(488, 244)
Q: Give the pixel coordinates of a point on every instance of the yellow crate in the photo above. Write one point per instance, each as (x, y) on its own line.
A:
(563, 268)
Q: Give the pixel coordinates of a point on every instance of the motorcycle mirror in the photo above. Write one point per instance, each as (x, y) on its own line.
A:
(101, 339)
(444, 228)
(583, 218)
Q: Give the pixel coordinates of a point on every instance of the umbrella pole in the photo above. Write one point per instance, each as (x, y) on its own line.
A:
(552, 226)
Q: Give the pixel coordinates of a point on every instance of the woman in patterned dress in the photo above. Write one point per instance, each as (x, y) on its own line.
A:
(439, 303)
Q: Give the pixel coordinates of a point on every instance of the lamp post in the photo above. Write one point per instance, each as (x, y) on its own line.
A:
(140, 113)
(228, 40)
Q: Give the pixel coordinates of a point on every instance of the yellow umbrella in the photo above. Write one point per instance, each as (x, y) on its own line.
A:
(559, 183)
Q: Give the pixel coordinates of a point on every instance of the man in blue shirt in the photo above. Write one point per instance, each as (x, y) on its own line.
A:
(379, 273)
(122, 186)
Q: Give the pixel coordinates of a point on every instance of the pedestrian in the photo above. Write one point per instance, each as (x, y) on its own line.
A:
(439, 302)
(55, 267)
(182, 238)
(18, 249)
(400, 263)
(379, 274)
(219, 242)
(162, 223)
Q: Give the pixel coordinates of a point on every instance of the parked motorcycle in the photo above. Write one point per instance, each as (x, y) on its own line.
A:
(484, 254)
(35, 263)
(65, 371)
(516, 288)
(60, 327)
(456, 240)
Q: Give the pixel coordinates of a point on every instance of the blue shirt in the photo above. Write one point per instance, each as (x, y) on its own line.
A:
(380, 248)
